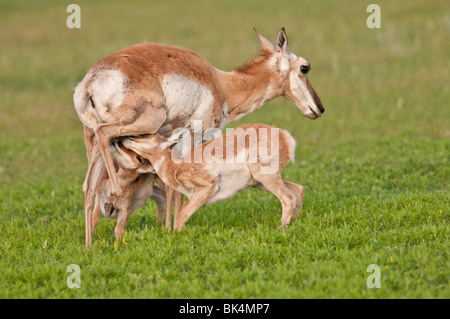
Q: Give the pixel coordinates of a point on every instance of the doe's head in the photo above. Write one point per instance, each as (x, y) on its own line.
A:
(293, 70)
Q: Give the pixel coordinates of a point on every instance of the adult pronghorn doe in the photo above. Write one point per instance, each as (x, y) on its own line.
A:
(149, 88)
(251, 155)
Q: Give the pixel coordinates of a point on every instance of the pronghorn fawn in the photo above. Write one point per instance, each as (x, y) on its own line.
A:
(251, 155)
(136, 177)
(155, 88)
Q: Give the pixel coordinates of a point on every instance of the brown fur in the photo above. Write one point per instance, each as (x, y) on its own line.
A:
(146, 64)
(261, 57)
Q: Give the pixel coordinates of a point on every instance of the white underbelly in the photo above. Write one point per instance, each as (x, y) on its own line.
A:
(232, 179)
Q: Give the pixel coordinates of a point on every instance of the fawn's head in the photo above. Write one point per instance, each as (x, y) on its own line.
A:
(129, 160)
(131, 170)
(154, 144)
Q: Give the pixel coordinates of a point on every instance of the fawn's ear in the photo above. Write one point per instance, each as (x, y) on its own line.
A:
(178, 135)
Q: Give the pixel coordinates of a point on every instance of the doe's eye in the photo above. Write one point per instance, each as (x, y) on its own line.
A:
(304, 69)
(140, 159)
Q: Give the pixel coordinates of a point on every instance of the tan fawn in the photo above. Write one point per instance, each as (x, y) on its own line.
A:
(251, 155)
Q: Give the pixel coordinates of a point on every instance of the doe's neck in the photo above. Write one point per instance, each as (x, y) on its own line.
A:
(247, 88)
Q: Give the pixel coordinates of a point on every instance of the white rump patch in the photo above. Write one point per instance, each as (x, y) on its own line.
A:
(291, 144)
(108, 92)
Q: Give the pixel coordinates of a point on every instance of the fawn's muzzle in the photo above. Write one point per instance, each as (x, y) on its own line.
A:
(109, 209)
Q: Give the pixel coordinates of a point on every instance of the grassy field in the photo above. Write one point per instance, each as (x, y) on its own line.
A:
(375, 167)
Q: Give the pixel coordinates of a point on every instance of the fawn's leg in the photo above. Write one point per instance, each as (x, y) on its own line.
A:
(192, 205)
(159, 196)
(169, 201)
(297, 190)
(274, 184)
(122, 222)
(178, 205)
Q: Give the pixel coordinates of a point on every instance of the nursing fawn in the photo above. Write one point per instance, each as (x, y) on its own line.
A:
(251, 155)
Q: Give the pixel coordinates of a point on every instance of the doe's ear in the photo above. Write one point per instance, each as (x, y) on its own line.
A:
(283, 43)
(265, 44)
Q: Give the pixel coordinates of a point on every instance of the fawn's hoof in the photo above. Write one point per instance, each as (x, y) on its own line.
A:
(285, 222)
(283, 226)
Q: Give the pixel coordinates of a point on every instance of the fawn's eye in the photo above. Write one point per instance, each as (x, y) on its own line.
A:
(304, 69)
(140, 159)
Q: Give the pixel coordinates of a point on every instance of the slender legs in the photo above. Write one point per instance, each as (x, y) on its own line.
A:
(169, 201)
(192, 205)
(176, 199)
(94, 171)
(159, 197)
(288, 193)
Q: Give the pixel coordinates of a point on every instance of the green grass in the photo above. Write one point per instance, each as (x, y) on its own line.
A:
(375, 167)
